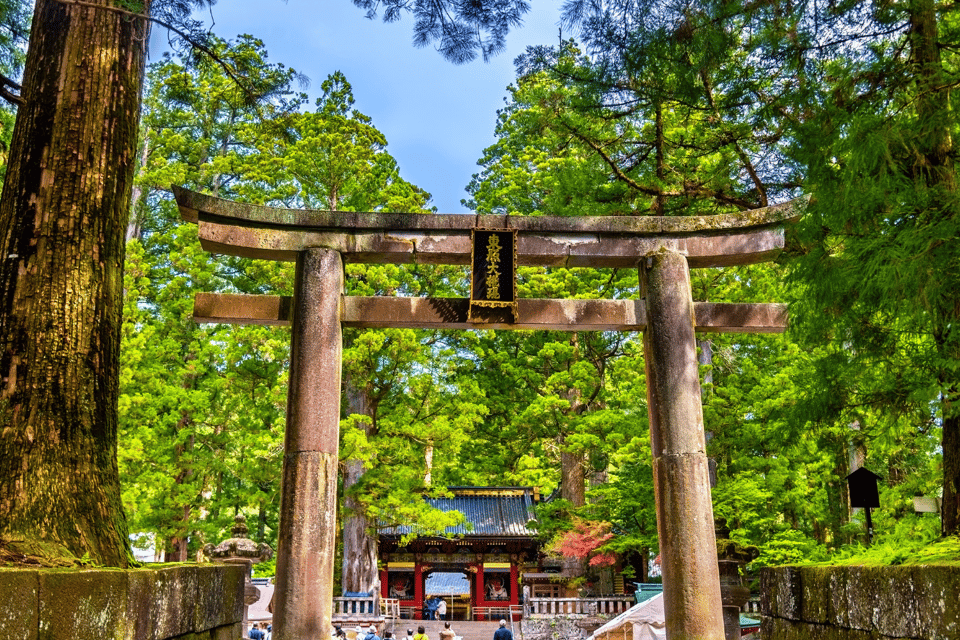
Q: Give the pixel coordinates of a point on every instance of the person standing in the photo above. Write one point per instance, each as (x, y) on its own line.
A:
(442, 610)
(421, 635)
(447, 633)
(371, 634)
(503, 633)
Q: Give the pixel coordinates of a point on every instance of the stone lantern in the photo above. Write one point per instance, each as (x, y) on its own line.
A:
(731, 556)
(241, 550)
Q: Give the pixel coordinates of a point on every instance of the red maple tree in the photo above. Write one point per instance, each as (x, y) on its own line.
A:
(584, 541)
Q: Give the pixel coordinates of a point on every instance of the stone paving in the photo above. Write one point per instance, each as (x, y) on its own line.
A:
(464, 629)
(467, 630)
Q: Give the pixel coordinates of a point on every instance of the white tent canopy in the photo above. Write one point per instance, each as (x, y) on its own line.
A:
(644, 621)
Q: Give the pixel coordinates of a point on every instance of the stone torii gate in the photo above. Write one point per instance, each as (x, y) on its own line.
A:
(662, 248)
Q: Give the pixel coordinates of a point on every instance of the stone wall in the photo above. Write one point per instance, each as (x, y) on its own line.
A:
(860, 603)
(558, 627)
(185, 602)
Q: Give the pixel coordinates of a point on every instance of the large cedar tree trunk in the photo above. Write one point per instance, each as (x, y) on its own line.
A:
(63, 214)
(359, 543)
(937, 167)
(573, 489)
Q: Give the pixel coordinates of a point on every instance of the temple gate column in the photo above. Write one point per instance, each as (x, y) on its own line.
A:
(418, 586)
(303, 599)
(688, 552)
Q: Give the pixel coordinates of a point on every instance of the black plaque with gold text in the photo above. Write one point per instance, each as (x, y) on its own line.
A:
(493, 276)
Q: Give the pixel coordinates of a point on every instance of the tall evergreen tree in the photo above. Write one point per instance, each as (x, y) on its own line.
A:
(62, 215)
(202, 406)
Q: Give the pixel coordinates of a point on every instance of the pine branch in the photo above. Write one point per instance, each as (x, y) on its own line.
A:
(189, 39)
(5, 85)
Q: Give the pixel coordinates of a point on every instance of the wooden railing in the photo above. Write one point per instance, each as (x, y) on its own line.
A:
(390, 608)
(359, 609)
(504, 612)
(596, 605)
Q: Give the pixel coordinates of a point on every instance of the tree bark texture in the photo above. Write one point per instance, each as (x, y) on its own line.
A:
(359, 540)
(950, 523)
(63, 214)
(573, 464)
(705, 359)
(573, 490)
(937, 168)
(573, 478)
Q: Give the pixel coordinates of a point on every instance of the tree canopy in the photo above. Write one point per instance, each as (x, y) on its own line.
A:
(459, 30)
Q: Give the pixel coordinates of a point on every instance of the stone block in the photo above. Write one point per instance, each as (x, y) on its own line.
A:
(229, 632)
(938, 602)
(837, 586)
(896, 602)
(82, 604)
(175, 600)
(19, 603)
(219, 598)
(816, 597)
(141, 612)
(824, 595)
(183, 602)
(781, 594)
(882, 600)
(781, 629)
(862, 611)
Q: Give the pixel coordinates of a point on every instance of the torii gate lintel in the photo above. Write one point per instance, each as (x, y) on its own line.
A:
(380, 312)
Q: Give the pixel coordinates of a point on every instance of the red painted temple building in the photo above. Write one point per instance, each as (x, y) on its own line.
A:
(476, 567)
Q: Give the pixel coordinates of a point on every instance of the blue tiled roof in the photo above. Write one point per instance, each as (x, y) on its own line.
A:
(747, 623)
(647, 590)
(490, 511)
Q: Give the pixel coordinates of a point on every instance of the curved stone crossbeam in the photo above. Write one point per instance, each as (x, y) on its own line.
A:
(269, 233)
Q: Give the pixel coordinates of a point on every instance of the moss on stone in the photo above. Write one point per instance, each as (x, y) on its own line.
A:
(732, 550)
(77, 604)
(890, 602)
(18, 610)
(816, 599)
(182, 601)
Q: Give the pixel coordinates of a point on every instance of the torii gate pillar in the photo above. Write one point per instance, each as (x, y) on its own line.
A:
(303, 599)
(691, 580)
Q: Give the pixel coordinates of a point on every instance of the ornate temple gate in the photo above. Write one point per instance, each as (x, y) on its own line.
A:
(662, 248)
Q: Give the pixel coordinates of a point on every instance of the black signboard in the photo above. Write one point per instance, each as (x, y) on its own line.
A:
(493, 289)
(864, 493)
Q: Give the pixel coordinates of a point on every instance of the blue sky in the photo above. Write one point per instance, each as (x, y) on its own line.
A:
(437, 117)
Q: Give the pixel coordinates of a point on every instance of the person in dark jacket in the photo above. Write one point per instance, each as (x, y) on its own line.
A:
(503, 633)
